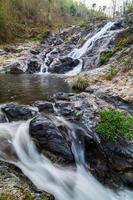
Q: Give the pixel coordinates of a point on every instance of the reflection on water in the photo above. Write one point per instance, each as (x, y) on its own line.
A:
(29, 88)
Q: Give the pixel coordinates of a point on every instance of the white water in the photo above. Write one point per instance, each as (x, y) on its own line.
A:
(78, 53)
(16, 147)
(76, 69)
(89, 44)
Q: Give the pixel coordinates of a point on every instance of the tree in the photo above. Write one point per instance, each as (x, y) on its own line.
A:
(114, 2)
(94, 6)
(73, 10)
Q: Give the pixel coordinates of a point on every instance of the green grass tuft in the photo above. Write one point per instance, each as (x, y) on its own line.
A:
(105, 56)
(79, 83)
(115, 124)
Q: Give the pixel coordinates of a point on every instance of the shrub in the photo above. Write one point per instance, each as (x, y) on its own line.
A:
(115, 124)
(7, 196)
(112, 72)
(79, 83)
(104, 57)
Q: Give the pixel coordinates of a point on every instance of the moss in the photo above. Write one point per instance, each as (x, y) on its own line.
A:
(115, 124)
(7, 196)
(28, 196)
(79, 83)
(105, 56)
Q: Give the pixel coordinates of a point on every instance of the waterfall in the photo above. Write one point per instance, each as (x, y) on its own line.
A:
(89, 44)
(78, 53)
(17, 147)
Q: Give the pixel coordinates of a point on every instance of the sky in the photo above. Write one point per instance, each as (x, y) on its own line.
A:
(100, 2)
(107, 3)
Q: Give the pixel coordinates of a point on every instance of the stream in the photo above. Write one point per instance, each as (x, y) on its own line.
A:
(17, 147)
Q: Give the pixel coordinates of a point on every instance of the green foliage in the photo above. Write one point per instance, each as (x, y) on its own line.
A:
(7, 196)
(73, 10)
(112, 72)
(115, 124)
(125, 39)
(79, 83)
(19, 17)
(129, 7)
(104, 57)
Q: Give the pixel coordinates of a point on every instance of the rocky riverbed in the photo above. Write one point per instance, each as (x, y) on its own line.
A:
(109, 86)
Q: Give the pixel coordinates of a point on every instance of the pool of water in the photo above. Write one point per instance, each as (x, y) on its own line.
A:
(29, 88)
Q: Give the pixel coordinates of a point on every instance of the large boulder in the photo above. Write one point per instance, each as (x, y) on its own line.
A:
(63, 65)
(44, 106)
(48, 137)
(14, 68)
(33, 67)
(15, 112)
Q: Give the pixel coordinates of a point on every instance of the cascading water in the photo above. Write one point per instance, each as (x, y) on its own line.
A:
(89, 44)
(17, 147)
(78, 53)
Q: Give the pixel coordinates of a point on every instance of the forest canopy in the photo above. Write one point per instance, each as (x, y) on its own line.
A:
(27, 18)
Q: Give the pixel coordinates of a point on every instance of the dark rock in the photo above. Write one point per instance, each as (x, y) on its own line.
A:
(33, 67)
(15, 112)
(2, 118)
(14, 68)
(64, 108)
(116, 26)
(44, 106)
(12, 50)
(35, 51)
(48, 137)
(63, 65)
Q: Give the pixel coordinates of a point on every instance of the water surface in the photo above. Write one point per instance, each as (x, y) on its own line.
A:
(29, 88)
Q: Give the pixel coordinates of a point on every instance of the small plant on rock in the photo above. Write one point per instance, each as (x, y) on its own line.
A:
(105, 56)
(115, 124)
(79, 83)
(112, 72)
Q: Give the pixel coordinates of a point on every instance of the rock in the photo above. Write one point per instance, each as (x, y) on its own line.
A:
(35, 51)
(2, 118)
(48, 137)
(61, 96)
(63, 65)
(116, 26)
(15, 112)
(44, 106)
(14, 68)
(33, 67)
(64, 108)
(10, 49)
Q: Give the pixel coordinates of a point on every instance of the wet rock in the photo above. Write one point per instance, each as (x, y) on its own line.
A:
(63, 65)
(64, 108)
(61, 96)
(44, 106)
(15, 112)
(2, 118)
(48, 137)
(33, 67)
(116, 26)
(14, 68)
